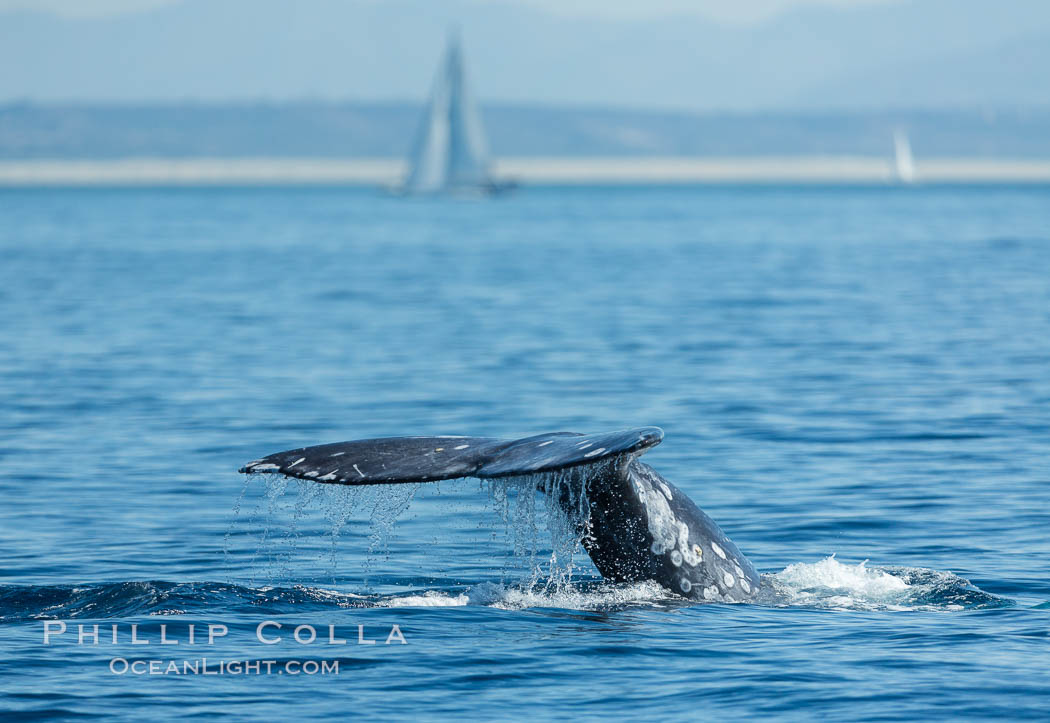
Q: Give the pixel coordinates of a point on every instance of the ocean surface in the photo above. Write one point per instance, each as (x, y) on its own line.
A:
(854, 382)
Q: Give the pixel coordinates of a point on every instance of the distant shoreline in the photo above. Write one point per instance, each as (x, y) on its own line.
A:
(530, 171)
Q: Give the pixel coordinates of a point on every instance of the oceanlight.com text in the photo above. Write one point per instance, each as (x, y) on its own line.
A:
(203, 666)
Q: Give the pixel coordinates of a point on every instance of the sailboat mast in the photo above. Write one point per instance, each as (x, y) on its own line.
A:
(468, 163)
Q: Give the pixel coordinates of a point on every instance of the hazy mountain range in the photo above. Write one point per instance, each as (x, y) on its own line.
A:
(912, 53)
(344, 130)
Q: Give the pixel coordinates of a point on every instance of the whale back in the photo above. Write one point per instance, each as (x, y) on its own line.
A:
(393, 460)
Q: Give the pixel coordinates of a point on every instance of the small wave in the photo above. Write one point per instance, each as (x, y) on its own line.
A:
(158, 597)
(830, 584)
(827, 584)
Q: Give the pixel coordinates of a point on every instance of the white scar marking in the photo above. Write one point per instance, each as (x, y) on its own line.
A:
(728, 579)
(686, 585)
(585, 445)
(594, 452)
(462, 446)
(301, 459)
(338, 454)
(312, 473)
(358, 471)
(676, 558)
(262, 467)
(710, 592)
(329, 476)
(660, 520)
(718, 550)
(744, 584)
(544, 444)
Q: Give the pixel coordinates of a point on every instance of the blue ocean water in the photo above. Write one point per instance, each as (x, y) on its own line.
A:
(854, 382)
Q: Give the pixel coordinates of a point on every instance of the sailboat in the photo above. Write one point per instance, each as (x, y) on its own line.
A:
(904, 164)
(450, 154)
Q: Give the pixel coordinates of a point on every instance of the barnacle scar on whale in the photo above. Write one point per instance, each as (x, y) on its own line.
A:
(637, 525)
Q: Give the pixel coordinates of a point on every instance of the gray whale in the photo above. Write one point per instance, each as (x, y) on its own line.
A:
(638, 527)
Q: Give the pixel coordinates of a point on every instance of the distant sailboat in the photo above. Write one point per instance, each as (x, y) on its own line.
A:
(450, 154)
(904, 164)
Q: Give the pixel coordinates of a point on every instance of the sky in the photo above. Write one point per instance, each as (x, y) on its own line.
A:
(735, 11)
(695, 55)
(740, 11)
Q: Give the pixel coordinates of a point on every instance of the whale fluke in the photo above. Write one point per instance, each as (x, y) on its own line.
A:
(638, 525)
(392, 460)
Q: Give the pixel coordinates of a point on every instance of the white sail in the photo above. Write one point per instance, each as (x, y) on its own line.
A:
(450, 153)
(904, 164)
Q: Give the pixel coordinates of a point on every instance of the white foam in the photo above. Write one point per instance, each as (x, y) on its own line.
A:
(830, 573)
(429, 599)
(566, 597)
(832, 584)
